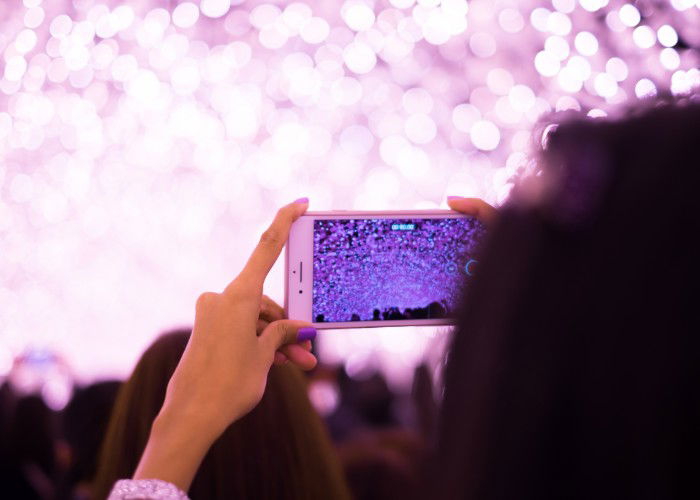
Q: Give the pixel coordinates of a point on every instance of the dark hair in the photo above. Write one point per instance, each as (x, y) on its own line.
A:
(575, 368)
(279, 450)
(84, 424)
(31, 463)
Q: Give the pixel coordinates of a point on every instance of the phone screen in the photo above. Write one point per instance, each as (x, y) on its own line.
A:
(391, 269)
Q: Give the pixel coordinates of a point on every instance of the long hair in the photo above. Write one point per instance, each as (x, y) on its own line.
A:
(575, 368)
(279, 450)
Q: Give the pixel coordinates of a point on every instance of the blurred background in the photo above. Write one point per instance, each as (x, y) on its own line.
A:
(145, 145)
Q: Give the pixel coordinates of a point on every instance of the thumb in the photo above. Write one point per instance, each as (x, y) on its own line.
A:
(473, 206)
(286, 331)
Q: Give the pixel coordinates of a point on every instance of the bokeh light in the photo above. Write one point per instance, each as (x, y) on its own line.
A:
(146, 144)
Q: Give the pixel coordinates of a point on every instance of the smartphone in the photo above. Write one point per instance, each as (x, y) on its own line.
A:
(370, 269)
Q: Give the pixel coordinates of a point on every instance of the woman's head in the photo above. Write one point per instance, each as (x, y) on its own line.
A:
(279, 450)
(574, 369)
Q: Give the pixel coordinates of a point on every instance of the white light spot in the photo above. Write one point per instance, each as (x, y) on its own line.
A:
(272, 37)
(122, 18)
(645, 88)
(359, 58)
(565, 6)
(557, 46)
(485, 135)
(402, 4)
(580, 67)
(436, 27)
(680, 83)
(667, 36)
(612, 20)
(34, 17)
(215, 8)
(539, 18)
(521, 98)
(567, 102)
(682, 5)
(629, 15)
(357, 15)
(61, 26)
(605, 85)
(546, 64)
(559, 23)
(617, 68)
(482, 45)
(670, 59)
(593, 5)
(25, 41)
(511, 21)
(499, 81)
(586, 43)
(185, 15)
(315, 30)
(295, 15)
(644, 37)
(596, 113)
(568, 80)
(15, 68)
(144, 86)
(264, 15)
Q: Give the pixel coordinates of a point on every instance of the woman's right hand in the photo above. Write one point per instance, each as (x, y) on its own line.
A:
(475, 207)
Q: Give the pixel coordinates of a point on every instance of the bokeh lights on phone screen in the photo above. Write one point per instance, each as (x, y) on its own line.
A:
(391, 269)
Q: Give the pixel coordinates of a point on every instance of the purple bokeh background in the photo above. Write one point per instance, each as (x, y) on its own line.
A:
(145, 145)
(365, 264)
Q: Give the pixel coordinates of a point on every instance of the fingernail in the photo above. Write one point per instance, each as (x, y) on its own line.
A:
(306, 333)
(454, 197)
(302, 200)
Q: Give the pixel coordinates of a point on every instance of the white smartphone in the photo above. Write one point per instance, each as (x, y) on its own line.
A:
(369, 269)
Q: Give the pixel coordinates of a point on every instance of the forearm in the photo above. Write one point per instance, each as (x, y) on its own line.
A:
(175, 449)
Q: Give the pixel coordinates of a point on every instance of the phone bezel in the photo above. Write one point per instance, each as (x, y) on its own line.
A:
(299, 261)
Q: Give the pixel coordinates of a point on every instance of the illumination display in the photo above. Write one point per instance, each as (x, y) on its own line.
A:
(145, 149)
(391, 269)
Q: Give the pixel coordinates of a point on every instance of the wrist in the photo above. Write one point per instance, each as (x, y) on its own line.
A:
(176, 446)
(195, 426)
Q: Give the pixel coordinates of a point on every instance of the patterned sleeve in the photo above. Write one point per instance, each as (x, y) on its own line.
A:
(146, 489)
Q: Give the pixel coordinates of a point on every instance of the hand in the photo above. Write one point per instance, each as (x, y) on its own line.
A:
(298, 353)
(223, 371)
(473, 206)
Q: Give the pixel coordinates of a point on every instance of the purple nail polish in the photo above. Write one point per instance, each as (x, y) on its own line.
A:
(302, 200)
(454, 197)
(306, 333)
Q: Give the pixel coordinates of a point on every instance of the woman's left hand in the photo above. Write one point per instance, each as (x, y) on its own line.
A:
(223, 371)
(298, 353)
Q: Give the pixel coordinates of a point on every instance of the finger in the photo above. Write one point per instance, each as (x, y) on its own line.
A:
(300, 356)
(290, 349)
(270, 310)
(260, 325)
(286, 331)
(305, 344)
(473, 206)
(280, 358)
(271, 242)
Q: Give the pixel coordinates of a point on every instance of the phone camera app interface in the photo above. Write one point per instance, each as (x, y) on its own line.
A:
(389, 269)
